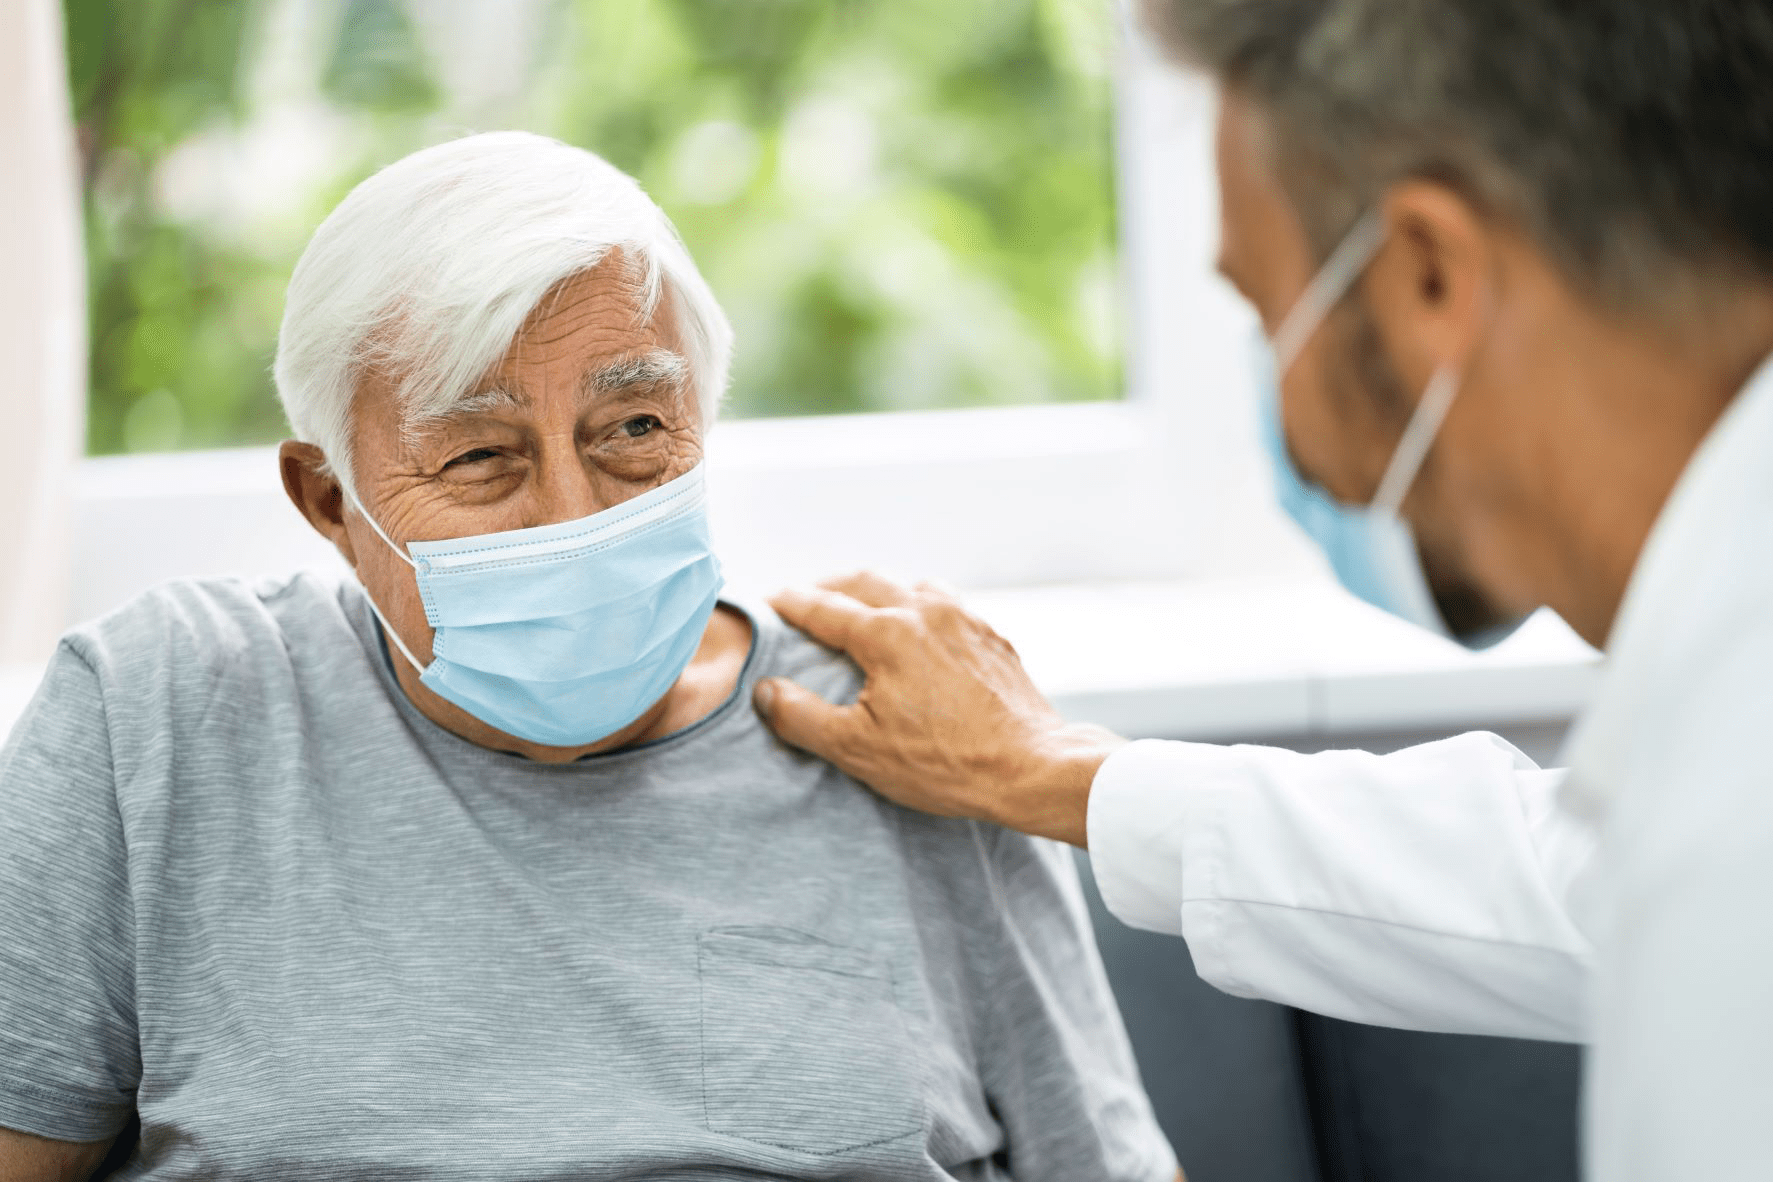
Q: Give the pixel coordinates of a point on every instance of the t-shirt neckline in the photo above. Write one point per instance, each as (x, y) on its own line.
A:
(718, 719)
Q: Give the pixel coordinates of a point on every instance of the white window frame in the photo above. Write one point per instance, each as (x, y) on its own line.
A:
(1164, 485)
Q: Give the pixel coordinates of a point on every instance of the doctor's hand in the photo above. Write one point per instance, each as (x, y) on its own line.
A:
(947, 721)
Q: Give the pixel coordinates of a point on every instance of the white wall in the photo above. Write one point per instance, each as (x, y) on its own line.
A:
(42, 326)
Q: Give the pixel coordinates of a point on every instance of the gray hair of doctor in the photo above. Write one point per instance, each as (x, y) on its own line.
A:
(427, 270)
(1629, 139)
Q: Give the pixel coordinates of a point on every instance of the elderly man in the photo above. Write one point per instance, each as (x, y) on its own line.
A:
(483, 867)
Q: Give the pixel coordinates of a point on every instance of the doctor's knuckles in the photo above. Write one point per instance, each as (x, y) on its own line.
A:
(947, 722)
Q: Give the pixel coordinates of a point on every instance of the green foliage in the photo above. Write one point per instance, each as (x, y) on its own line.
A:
(377, 63)
(901, 203)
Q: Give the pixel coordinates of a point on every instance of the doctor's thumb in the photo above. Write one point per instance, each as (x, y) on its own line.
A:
(799, 717)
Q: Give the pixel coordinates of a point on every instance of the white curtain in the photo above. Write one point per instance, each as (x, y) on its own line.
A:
(42, 327)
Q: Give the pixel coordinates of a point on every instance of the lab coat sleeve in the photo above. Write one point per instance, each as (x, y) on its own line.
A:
(1424, 889)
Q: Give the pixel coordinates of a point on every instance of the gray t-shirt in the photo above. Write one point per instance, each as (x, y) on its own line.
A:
(249, 891)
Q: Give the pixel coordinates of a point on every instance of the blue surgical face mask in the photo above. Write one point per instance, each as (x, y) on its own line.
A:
(566, 634)
(1371, 548)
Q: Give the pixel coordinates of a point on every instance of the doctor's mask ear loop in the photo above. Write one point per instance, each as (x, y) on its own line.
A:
(1327, 288)
(1419, 433)
(1424, 425)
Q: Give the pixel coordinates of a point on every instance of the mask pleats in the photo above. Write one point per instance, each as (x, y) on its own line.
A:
(574, 711)
(565, 634)
(595, 640)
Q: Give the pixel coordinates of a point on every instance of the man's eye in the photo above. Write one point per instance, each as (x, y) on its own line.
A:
(641, 425)
(476, 456)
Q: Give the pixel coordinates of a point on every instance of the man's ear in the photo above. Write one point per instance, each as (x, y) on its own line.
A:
(1430, 289)
(316, 494)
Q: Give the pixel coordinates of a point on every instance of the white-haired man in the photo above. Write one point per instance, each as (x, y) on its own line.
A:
(482, 866)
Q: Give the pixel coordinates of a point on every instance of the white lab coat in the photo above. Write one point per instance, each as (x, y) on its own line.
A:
(1456, 887)
(1422, 889)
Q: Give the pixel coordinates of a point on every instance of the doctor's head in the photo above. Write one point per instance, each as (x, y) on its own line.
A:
(1576, 202)
(495, 333)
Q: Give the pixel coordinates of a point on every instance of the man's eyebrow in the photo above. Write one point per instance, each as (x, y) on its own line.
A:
(655, 367)
(429, 421)
(482, 401)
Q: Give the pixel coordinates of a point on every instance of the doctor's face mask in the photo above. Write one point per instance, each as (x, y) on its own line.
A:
(566, 634)
(1371, 548)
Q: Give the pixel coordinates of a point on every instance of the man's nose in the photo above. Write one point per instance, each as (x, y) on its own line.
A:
(566, 488)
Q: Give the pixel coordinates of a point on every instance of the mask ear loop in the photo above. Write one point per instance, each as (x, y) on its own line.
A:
(364, 513)
(1418, 437)
(387, 628)
(1326, 289)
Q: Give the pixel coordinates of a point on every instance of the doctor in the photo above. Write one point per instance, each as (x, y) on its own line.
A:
(1517, 263)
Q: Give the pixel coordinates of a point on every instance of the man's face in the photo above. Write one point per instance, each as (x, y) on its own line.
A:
(1334, 424)
(592, 405)
(1343, 403)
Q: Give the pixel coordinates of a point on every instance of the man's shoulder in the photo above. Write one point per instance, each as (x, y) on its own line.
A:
(198, 625)
(785, 651)
(231, 666)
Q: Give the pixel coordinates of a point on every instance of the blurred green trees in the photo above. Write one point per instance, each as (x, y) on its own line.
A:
(901, 203)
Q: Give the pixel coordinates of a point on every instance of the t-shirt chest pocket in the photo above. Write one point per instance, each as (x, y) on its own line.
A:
(803, 1043)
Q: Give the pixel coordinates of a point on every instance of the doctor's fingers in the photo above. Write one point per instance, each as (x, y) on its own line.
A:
(867, 587)
(892, 753)
(803, 719)
(870, 635)
(877, 590)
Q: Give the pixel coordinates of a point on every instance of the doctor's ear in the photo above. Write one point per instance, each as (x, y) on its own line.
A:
(315, 491)
(1430, 289)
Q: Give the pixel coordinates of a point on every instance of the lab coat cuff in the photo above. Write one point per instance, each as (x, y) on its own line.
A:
(1140, 811)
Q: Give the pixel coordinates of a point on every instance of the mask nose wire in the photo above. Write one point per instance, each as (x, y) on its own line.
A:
(387, 628)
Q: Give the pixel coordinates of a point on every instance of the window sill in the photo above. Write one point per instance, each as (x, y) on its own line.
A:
(1241, 659)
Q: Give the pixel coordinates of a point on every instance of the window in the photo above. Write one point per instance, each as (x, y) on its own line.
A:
(903, 205)
(1129, 450)
(214, 135)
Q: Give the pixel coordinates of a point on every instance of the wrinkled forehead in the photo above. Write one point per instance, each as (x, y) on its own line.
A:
(620, 305)
(610, 330)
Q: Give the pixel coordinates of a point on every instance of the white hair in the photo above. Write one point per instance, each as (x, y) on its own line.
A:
(427, 270)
